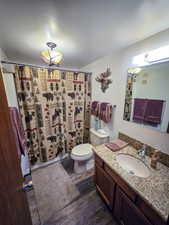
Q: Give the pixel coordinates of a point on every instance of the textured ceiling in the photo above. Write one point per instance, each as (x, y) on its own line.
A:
(83, 29)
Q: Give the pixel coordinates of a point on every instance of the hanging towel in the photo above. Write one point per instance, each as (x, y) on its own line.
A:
(153, 111)
(18, 130)
(105, 112)
(140, 105)
(116, 145)
(95, 108)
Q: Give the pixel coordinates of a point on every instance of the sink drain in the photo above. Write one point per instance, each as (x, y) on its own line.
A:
(131, 172)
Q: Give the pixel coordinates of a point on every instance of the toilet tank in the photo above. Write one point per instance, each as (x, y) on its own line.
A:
(98, 137)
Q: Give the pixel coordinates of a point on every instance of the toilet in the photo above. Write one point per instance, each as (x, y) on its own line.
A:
(83, 154)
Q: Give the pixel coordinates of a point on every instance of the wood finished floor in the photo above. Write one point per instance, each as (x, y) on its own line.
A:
(86, 209)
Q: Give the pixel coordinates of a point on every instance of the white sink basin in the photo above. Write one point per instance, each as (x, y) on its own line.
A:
(133, 165)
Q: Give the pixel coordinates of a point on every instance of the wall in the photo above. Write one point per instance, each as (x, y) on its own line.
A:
(119, 62)
(2, 55)
(111, 94)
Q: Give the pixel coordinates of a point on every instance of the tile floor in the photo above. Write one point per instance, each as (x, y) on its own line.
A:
(84, 208)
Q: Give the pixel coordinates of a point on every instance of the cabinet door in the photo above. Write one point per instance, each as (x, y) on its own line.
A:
(105, 185)
(126, 212)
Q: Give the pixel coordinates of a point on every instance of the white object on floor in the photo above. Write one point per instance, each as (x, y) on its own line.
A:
(82, 154)
(25, 164)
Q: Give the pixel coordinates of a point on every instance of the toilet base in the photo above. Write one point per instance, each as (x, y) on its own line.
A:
(83, 166)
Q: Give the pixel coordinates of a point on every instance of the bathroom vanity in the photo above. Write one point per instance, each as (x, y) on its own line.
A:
(133, 200)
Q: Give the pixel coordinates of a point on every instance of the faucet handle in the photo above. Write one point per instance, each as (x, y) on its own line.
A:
(142, 151)
(155, 158)
(144, 146)
(139, 150)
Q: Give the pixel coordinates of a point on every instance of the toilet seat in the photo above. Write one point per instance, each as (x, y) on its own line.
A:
(82, 152)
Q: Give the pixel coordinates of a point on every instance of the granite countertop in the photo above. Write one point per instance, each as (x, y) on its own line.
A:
(154, 189)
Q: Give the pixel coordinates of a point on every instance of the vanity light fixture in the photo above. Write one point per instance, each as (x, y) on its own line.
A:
(52, 56)
(158, 55)
(152, 57)
(134, 71)
(139, 60)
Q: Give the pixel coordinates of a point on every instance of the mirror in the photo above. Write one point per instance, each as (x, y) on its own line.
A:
(147, 96)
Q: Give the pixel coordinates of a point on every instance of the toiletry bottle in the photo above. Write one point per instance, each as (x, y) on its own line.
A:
(154, 159)
(96, 124)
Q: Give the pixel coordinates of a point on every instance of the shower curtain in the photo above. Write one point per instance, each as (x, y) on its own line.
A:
(55, 110)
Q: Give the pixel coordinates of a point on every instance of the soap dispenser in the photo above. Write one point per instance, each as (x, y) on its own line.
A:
(155, 158)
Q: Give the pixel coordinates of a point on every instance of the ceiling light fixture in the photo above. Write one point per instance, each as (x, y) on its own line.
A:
(51, 55)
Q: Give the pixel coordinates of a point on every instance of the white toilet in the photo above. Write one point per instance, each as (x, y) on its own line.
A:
(83, 155)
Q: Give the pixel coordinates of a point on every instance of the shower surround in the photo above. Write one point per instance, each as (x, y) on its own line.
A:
(55, 110)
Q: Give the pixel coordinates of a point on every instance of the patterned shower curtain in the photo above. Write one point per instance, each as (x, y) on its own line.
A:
(55, 110)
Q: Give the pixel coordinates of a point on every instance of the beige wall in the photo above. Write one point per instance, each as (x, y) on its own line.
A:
(2, 55)
(119, 62)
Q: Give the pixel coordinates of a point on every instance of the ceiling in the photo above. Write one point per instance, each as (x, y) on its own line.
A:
(83, 29)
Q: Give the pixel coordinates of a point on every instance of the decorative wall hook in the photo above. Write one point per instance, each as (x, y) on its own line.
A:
(104, 80)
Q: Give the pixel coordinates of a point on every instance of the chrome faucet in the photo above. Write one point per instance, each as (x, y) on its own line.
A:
(142, 152)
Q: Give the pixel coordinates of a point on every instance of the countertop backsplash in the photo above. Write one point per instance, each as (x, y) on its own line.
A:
(164, 158)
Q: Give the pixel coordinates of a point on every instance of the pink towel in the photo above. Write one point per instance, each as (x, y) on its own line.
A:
(95, 108)
(18, 130)
(105, 112)
(116, 145)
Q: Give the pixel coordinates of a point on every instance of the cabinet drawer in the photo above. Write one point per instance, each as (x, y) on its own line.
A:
(150, 213)
(124, 186)
(98, 161)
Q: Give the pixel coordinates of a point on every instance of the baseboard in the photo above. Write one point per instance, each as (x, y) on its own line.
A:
(44, 164)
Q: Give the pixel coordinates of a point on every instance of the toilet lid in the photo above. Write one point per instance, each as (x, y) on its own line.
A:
(82, 149)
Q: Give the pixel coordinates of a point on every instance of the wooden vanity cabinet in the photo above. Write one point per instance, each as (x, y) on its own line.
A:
(105, 185)
(125, 211)
(126, 205)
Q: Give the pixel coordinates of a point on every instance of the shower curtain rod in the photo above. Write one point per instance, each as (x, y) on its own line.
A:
(44, 67)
